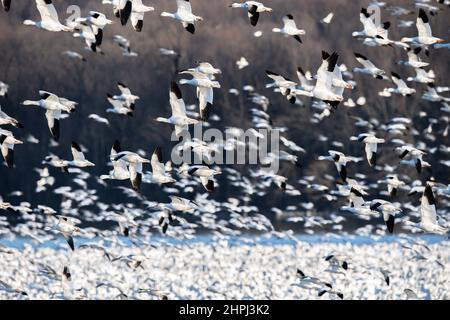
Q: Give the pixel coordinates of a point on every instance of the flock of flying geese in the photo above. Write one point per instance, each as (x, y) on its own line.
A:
(326, 87)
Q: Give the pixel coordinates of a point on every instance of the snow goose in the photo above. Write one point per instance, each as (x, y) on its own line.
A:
(328, 18)
(388, 210)
(371, 145)
(178, 118)
(432, 95)
(204, 173)
(422, 76)
(54, 105)
(49, 18)
(402, 88)
(370, 28)
(393, 184)
(5, 119)
(413, 59)
(290, 28)
(3, 89)
(120, 169)
(424, 37)
(125, 45)
(6, 5)
(137, 14)
(323, 89)
(67, 228)
(78, 157)
(135, 163)
(369, 67)
(98, 21)
(204, 83)
(242, 63)
(428, 217)
(98, 119)
(176, 204)
(7, 142)
(118, 106)
(126, 96)
(74, 55)
(158, 174)
(184, 15)
(86, 33)
(254, 8)
(285, 85)
(340, 160)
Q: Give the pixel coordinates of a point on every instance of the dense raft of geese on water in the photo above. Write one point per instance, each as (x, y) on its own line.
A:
(131, 262)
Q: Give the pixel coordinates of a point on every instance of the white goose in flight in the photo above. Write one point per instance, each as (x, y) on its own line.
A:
(286, 86)
(98, 22)
(5, 119)
(428, 217)
(118, 106)
(369, 67)
(7, 142)
(67, 228)
(402, 87)
(424, 37)
(414, 59)
(254, 8)
(324, 84)
(54, 106)
(158, 174)
(120, 169)
(178, 118)
(371, 145)
(370, 28)
(290, 28)
(204, 173)
(78, 157)
(388, 210)
(49, 18)
(137, 14)
(126, 96)
(204, 83)
(184, 15)
(340, 160)
(135, 163)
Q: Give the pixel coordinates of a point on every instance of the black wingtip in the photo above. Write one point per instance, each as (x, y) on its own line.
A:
(190, 28)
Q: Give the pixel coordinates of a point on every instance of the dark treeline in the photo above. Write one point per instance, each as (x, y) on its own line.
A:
(31, 60)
